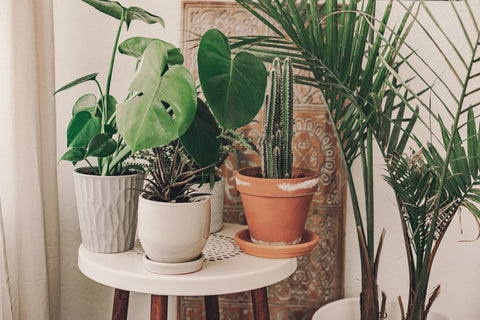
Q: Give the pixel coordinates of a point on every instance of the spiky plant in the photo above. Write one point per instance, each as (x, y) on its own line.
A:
(340, 54)
(277, 134)
(171, 182)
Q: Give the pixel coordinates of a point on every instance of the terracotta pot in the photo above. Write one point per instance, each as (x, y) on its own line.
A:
(276, 209)
(107, 210)
(349, 309)
(173, 232)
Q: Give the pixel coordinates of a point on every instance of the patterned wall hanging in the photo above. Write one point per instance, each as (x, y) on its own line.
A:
(319, 277)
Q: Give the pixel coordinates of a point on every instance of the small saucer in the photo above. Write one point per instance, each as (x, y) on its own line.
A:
(173, 268)
(309, 240)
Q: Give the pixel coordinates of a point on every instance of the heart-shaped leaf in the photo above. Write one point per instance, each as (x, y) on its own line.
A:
(81, 129)
(164, 106)
(234, 89)
(135, 47)
(74, 155)
(201, 139)
(135, 13)
(78, 81)
(101, 146)
(115, 9)
(87, 103)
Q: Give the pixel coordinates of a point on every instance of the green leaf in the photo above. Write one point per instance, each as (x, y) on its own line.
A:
(101, 146)
(111, 109)
(111, 8)
(201, 139)
(135, 13)
(115, 9)
(78, 81)
(164, 106)
(74, 155)
(87, 103)
(81, 129)
(135, 47)
(234, 89)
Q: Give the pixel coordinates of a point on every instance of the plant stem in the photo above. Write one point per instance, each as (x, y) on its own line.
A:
(110, 71)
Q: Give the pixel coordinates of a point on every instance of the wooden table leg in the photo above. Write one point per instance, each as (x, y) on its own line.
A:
(120, 304)
(159, 307)
(211, 308)
(260, 304)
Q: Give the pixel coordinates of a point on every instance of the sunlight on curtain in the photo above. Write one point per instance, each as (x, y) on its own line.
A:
(29, 253)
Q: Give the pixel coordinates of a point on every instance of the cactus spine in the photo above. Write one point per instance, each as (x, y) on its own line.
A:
(277, 134)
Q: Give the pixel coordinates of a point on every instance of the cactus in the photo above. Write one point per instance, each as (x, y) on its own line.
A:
(277, 133)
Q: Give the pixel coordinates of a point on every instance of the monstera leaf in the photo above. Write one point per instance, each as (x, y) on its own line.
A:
(135, 47)
(201, 139)
(116, 10)
(163, 105)
(234, 89)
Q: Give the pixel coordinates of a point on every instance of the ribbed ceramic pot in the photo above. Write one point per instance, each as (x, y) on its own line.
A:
(107, 209)
(173, 232)
(217, 198)
(276, 209)
(349, 309)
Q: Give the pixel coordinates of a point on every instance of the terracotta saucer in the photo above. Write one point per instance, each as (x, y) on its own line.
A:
(173, 268)
(309, 240)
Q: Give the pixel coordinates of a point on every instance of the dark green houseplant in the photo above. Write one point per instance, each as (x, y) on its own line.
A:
(106, 191)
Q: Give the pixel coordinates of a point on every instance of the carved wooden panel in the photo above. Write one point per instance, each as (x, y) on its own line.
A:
(319, 277)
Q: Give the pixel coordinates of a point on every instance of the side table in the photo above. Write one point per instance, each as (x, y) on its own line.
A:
(226, 270)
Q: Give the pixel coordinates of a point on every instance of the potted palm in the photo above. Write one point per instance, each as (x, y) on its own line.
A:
(106, 191)
(343, 57)
(277, 197)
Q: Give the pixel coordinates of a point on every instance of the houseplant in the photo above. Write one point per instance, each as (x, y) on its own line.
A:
(277, 197)
(343, 57)
(106, 192)
(441, 174)
(233, 89)
(173, 220)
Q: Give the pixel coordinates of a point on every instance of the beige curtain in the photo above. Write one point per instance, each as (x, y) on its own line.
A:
(29, 252)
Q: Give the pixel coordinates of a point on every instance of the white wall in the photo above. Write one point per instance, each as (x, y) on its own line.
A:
(84, 40)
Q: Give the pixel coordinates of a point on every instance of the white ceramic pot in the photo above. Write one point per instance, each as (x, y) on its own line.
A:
(349, 309)
(107, 210)
(173, 232)
(217, 198)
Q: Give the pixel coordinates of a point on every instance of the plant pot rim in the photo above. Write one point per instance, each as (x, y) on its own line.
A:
(250, 171)
(79, 172)
(295, 187)
(163, 204)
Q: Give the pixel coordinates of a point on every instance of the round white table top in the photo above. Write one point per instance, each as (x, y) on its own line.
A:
(226, 270)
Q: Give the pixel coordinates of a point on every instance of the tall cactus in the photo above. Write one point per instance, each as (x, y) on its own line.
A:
(277, 133)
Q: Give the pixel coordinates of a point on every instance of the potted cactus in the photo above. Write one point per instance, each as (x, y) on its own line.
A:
(276, 196)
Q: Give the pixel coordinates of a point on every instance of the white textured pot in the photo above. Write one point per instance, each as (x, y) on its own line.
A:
(217, 198)
(173, 232)
(107, 210)
(349, 309)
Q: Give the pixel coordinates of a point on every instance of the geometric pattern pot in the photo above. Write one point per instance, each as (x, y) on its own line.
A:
(107, 210)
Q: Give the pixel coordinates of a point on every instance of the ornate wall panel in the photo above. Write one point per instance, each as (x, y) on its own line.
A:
(319, 277)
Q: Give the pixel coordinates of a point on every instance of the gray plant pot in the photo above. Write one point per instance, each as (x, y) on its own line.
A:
(107, 210)
(218, 195)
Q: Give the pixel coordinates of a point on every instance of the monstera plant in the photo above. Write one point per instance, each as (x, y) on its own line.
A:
(164, 106)
(107, 206)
